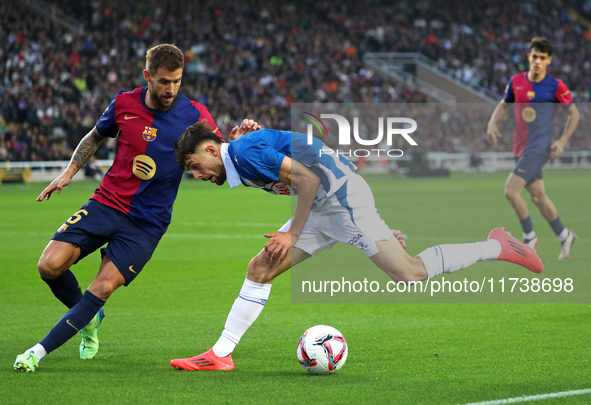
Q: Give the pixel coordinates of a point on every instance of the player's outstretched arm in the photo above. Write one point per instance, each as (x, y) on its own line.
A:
(246, 127)
(306, 182)
(492, 130)
(571, 124)
(84, 151)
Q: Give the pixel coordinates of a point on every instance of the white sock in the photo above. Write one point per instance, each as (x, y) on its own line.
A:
(529, 236)
(563, 235)
(38, 350)
(450, 258)
(246, 309)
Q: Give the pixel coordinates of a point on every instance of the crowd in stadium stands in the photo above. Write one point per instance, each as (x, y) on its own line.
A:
(482, 41)
(251, 59)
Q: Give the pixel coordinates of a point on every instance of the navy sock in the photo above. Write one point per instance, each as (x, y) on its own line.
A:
(65, 287)
(527, 225)
(557, 226)
(75, 319)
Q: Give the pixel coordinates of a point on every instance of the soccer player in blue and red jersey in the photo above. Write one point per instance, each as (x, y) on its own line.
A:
(132, 207)
(334, 205)
(536, 94)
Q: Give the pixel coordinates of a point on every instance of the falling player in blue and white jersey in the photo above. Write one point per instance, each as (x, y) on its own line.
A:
(334, 205)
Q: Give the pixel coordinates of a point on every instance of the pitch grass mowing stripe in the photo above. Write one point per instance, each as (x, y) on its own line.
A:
(443, 239)
(172, 235)
(531, 398)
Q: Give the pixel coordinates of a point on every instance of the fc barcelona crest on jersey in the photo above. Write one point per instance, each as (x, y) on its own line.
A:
(149, 133)
(530, 95)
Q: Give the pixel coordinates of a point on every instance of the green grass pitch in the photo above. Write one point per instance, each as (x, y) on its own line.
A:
(398, 353)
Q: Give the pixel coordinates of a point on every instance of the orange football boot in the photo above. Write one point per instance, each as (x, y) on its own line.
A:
(205, 361)
(514, 251)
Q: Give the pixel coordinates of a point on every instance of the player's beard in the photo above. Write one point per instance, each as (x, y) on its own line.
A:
(221, 178)
(159, 102)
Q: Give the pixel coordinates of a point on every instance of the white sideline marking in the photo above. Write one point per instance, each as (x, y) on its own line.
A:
(533, 397)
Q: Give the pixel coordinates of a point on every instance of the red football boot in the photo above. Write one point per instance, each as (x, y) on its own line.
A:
(516, 252)
(205, 361)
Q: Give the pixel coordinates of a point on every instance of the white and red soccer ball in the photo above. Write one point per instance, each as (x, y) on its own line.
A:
(322, 350)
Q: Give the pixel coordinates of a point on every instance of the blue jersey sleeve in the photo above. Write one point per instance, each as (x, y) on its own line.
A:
(259, 161)
(509, 96)
(106, 125)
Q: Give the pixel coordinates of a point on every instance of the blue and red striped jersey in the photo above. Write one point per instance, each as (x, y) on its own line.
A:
(144, 178)
(535, 109)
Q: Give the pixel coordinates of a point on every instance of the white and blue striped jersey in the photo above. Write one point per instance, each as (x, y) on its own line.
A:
(255, 159)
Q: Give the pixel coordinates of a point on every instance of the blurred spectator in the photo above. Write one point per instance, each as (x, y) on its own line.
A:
(252, 59)
(92, 170)
(475, 161)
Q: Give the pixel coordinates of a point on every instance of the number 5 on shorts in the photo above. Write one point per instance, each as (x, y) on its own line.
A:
(77, 217)
(73, 219)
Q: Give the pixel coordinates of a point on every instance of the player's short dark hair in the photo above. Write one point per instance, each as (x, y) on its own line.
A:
(541, 44)
(192, 138)
(167, 56)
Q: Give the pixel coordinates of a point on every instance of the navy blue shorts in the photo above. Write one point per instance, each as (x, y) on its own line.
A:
(128, 245)
(529, 167)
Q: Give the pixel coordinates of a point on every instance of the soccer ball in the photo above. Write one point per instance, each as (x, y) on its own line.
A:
(322, 350)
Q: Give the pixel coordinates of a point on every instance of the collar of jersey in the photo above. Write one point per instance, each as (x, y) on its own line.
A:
(231, 173)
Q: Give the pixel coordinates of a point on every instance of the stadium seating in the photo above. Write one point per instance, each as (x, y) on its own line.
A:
(252, 60)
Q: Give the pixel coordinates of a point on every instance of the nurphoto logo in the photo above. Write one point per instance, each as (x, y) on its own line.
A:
(387, 129)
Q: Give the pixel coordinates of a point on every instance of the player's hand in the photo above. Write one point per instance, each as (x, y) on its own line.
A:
(279, 244)
(58, 184)
(556, 149)
(401, 237)
(246, 127)
(492, 131)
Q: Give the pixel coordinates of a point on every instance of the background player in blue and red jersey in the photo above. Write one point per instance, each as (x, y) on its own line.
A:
(132, 207)
(536, 95)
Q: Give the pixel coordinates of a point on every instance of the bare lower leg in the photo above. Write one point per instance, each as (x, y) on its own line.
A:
(520, 206)
(542, 201)
(513, 189)
(548, 209)
(108, 279)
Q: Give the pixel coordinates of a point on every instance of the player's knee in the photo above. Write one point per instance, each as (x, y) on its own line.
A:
(55, 259)
(258, 269)
(538, 199)
(48, 268)
(509, 194)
